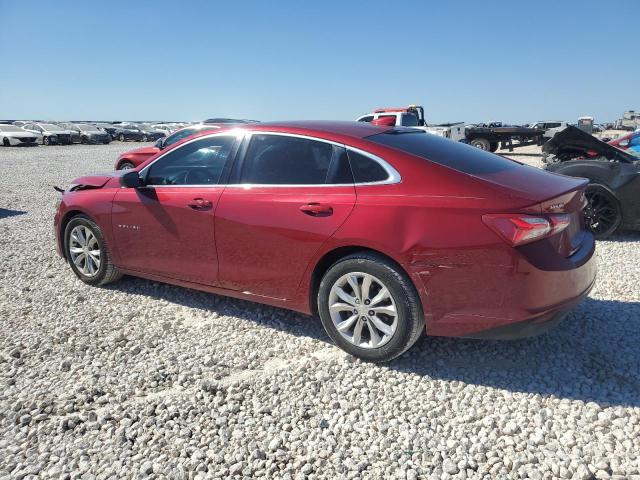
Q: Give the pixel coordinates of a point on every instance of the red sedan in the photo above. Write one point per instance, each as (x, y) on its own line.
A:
(384, 232)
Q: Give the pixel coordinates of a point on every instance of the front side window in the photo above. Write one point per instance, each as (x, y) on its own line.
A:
(196, 163)
(368, 118)
(284, 160)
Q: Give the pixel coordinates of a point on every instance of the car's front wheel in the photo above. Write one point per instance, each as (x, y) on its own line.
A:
(46, 141)
(86, 252)
(126, 166)
(121, 137)
(6, 142)
(369, 307)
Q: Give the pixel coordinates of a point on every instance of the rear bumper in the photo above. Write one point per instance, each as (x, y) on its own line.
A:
(505, 294)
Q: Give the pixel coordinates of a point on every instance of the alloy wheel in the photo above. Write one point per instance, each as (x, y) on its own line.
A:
(601, 213)
(363, 310)
(84, 250)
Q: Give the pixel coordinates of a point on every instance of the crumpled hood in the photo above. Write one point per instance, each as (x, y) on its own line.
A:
(97, 181)
(574, 139)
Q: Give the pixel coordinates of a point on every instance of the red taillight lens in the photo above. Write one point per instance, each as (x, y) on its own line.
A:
(520, 229)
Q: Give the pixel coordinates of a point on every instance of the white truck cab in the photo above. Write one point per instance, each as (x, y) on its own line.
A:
(413, 116)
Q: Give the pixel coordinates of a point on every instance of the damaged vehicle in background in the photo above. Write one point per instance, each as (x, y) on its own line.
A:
(13, 136)
(613, 192)
(51, 134)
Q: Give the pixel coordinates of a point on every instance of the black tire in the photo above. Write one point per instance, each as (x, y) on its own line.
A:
(125, 166)
(481, 143)
(494, 146)
(603, 214)
(6, 142)
(410, 321)
(107, 272)
(121, 137)
(144, 138)
(46, 141)
(84, 140)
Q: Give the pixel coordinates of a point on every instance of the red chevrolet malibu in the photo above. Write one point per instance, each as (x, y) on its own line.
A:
(383, 232)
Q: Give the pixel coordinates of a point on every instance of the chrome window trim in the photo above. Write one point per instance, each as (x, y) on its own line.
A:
(393, 175)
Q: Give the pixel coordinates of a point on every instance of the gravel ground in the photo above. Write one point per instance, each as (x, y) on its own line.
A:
(144, 380)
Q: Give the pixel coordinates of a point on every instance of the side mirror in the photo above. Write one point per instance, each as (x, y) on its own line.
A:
(160, 143)
(131, 180)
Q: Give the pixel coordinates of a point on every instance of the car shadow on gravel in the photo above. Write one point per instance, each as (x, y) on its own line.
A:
(594, 355)
(4, 213)
(288, 321)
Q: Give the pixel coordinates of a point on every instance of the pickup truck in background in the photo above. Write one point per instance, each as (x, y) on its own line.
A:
(413, 116)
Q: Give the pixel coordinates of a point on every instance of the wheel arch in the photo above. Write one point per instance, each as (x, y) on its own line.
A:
(332, 256)
(65, 221)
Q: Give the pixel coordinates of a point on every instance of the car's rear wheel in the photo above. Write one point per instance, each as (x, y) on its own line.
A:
(126, 166)
(121, 137)
(6, 142)
(369, 307)
(493, 146)
(86, 252)
(481, 143)
(46, 141)
(602, 213)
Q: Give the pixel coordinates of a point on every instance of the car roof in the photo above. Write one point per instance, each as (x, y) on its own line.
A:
(319, 128)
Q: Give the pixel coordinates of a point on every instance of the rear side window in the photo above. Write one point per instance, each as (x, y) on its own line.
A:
(409, 120)
(365, 169)
(284, 160)
(456, 155)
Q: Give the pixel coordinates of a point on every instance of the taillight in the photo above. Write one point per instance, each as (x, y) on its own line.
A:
(518, 229)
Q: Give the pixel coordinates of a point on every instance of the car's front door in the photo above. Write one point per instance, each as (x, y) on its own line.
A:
(167, 227)
(292, 194)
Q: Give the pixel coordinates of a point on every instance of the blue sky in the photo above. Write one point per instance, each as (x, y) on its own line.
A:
(273, 60)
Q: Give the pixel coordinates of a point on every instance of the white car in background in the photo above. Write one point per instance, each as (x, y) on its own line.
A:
(13, 136)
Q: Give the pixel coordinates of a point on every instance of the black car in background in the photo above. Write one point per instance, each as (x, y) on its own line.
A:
(149, 133)
(124, 132)
(89, 133)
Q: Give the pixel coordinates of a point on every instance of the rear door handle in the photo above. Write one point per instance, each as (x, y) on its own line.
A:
(200, 204)
(317, 209)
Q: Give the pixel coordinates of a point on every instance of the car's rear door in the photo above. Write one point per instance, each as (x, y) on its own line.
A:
(291, 193)
(166, 228)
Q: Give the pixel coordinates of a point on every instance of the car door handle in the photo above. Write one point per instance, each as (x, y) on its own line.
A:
(200, 204)
(317, 209)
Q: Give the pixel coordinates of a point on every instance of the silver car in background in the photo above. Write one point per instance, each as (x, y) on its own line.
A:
(13, 136)
(51, 134)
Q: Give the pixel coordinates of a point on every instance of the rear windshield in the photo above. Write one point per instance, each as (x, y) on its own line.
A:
(456, 155)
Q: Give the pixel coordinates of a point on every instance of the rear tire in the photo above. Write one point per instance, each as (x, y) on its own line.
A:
(394, 321)
(481, 143)
(121, 137)
(6, 142)
(494, 146)
(46, 141)
(82, 238)
(603, 214)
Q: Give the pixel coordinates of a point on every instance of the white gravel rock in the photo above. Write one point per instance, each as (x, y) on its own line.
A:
(141, 379)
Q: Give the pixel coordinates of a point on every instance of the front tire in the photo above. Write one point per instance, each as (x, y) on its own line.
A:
(603, 215)
(144, 138)
(369, 307)
(126, 166)
(121, 137)
(46, 141)
(86, 251)
(6, 142)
